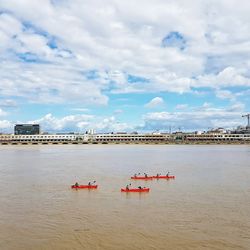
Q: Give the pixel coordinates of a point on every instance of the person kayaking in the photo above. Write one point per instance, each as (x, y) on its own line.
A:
(91, 183)
(140, 187)
(146, 176)
(158, 175)
(127, 187)
(76, 184)
(135, 175)
(167, 174)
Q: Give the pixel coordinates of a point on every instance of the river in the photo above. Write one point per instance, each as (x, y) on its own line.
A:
(207, 206)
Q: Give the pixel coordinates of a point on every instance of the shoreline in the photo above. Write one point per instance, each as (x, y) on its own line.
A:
(126, 143)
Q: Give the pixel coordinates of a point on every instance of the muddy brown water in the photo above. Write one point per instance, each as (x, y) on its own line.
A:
(207, 206)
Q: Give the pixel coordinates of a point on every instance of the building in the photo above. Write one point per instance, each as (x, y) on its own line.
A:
(6, 139)
(124, 137)
(217, 137)
(27, 129)
(41, 138)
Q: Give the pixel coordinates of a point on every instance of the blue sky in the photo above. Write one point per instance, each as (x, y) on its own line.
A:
(124, 65)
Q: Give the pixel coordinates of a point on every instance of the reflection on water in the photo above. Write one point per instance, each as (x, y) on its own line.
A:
(205, 207)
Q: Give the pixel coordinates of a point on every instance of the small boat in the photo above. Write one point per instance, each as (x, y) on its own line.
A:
(142, 178)
(138, 190)
(164, 177)
(84, 186)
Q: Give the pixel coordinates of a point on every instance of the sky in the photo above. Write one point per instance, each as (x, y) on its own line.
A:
(123, 66)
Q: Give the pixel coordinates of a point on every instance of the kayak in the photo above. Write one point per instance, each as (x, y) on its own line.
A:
(85, 186)
(164, 177)
(142, 178)
(138, 190)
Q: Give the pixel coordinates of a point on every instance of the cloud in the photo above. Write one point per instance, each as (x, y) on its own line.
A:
(196, 118)
(225, 94)
(80, 109)
(71, 123)
(155, 102)
(6, 126)
(2, 113)
(80, 123)
(8, 103)
(118, 111)
(110, 124)
(181, 106)
(65, 40)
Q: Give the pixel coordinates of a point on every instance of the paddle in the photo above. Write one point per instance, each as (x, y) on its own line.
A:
(91, 183)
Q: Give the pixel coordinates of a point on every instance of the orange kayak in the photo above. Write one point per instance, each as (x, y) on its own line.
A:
(138, 190)
(85, 186)
(142, 178)
(164, 177)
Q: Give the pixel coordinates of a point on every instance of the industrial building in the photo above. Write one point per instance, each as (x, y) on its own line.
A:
(27, 129)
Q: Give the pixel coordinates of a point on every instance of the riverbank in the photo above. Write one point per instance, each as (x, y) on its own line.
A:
(132, 143)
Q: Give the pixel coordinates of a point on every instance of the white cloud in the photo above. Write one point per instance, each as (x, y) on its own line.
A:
(195, 118)
(6, 126)
(155, 102)
(68, 123)
(228, 77)
(110, 124)
(80, 123)
(7, 103)
(2, 113)
(118, 111)
(80, 109)
(181, 106)
(117, 39)
(225, 94)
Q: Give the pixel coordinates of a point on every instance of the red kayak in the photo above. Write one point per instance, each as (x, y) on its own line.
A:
(142, 178)
(164, 177)
(85, 186)
(138, 190)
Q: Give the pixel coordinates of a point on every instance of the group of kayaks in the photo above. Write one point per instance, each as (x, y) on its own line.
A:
(127, 189)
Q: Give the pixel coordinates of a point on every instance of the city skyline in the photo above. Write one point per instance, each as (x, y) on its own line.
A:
(80, 65)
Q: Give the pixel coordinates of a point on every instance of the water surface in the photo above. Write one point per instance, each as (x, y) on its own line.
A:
(207, 206)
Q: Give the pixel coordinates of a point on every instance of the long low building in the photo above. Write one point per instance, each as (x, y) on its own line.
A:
(217, 137)
(39, 138)
(123, 138)
(95, 138)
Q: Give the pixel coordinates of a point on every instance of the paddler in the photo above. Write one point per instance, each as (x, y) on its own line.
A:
(89, 184)
(127, 187)
(76, 184)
